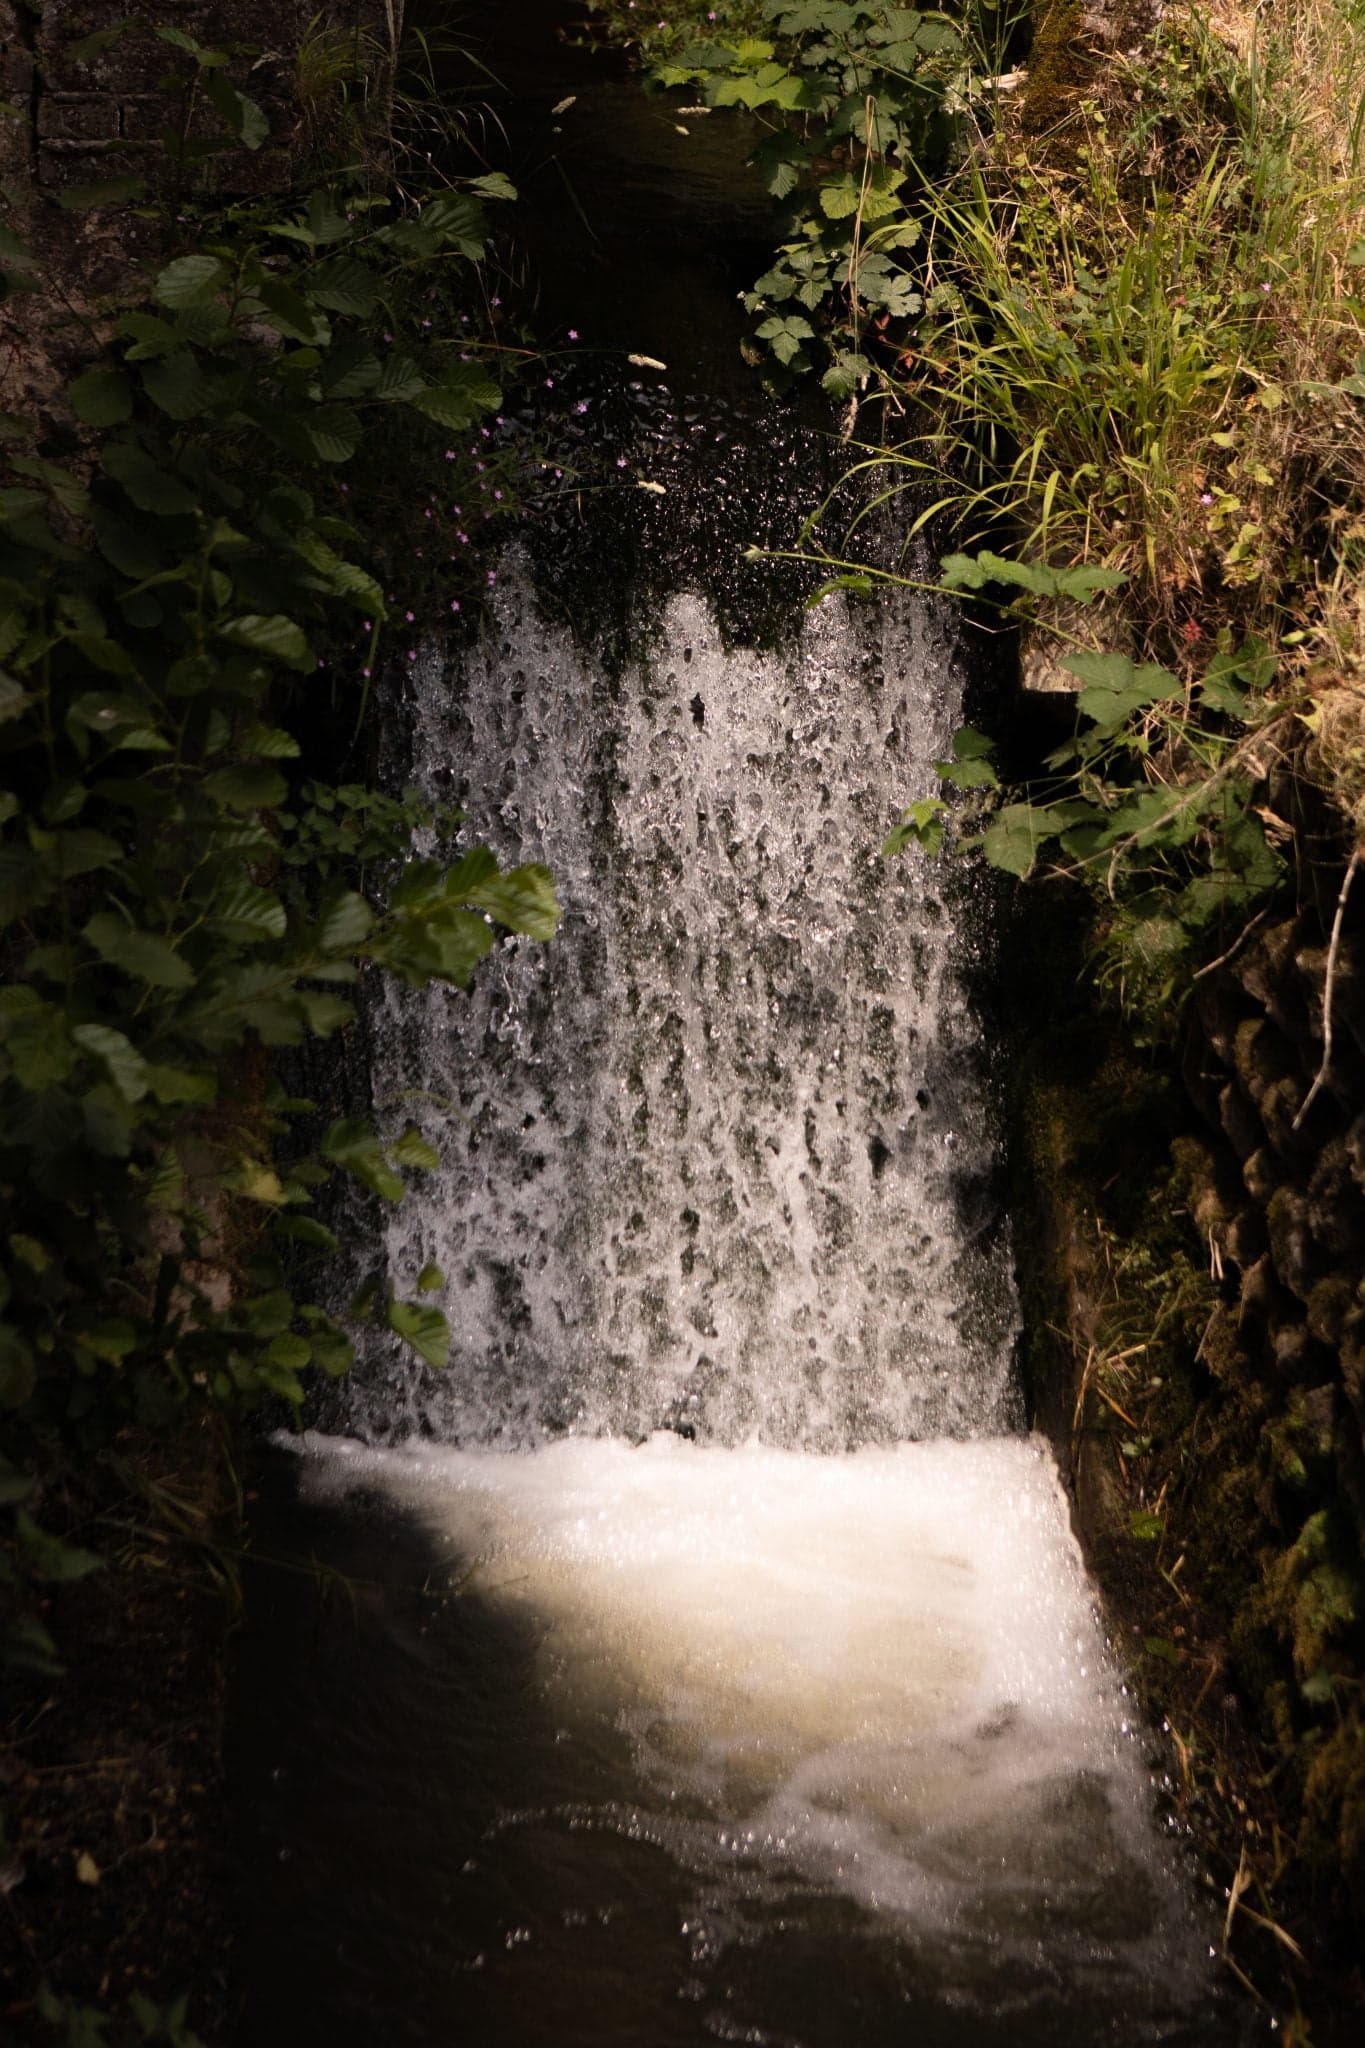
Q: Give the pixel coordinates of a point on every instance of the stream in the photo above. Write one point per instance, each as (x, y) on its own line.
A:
(705, 1655)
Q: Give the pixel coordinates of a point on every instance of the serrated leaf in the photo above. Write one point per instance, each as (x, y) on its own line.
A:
(247, 787)
(177, 384)
(248, 913)
(332, 432)
(523, 900)
(190, 281)
(101, 398)
(344, 285)
(307, 1230)
(271, 742)
(324, 1014)
(150, 487)
(140, 954)
(346, 923)
(121, 1060)
(413, 1150)
(424, 1328)
(1012, 838)
(493, 185)
(271, 634)
(351, 1143)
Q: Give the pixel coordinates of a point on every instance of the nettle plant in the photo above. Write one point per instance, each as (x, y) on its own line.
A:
(180, 892)
(855, 100)
(1156, 801)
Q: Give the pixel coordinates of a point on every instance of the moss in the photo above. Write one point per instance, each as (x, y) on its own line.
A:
(1332, 1839)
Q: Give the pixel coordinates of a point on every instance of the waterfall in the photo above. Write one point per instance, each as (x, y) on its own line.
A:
(771, 1693)
(720, 1158)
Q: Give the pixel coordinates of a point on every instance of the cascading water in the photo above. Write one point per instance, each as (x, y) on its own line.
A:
(718, 1159)
(718, 1664)
(776, 1706)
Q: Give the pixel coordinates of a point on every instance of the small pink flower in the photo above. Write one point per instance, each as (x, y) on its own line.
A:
(573, 334)
(450, 454)
(492, 576)
(454, 604)
(409, 616)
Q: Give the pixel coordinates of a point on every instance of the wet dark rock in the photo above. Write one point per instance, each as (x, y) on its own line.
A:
(1297, 1259)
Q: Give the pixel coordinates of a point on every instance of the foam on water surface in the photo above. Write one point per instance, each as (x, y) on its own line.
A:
(874, 1678)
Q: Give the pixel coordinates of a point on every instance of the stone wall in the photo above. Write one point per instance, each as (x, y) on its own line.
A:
(1275, 1186)
(104, 115)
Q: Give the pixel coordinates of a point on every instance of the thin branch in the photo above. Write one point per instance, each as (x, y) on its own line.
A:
(1242, 936)
(1332, 948)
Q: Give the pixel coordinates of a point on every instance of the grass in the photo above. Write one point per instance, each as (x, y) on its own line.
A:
(1147, 346)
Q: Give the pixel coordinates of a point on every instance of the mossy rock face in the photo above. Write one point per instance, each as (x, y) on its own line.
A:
(1072, 39)
(1333, 1836)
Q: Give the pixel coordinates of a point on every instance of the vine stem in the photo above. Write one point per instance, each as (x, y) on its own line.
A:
(1333, 946)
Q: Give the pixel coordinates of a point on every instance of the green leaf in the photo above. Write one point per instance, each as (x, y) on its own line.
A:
(271, 634)
(493, 185)
(48, 1556)
(523, 900)
(290, 1351)
(101, 398)
(307, 1230)
(150, 487)
(346, 923)
(430, 1279)
(324, 1014)
(352, 1144)
(112, 1339)
(920, 825)
(1115, 688)
(247, 787)
(271, 743)
(190, 281)
(248, 913)
(140, 954)
(1012, 838)
(243, 117)
(121, 1060)
(968, 572)
(331, 431)
(1146, 1526)
(177, 384)
(344, 285)
(413, 1150)
(424, 1328)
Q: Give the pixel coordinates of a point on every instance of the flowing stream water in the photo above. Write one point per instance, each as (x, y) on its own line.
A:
(715, 1661)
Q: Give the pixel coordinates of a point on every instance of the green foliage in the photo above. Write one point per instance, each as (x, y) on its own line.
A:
(855, 101)
(179, 896)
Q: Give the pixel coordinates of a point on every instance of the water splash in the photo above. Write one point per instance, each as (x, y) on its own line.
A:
(862, 1692)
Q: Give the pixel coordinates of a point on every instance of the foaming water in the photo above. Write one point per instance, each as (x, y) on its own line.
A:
(854, 1707)
(720, 1158)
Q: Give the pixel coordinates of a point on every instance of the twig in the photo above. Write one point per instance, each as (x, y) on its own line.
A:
(1333, 945)
(1243, 935)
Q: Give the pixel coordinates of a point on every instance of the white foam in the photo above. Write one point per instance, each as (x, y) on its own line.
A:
(879, 1674)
